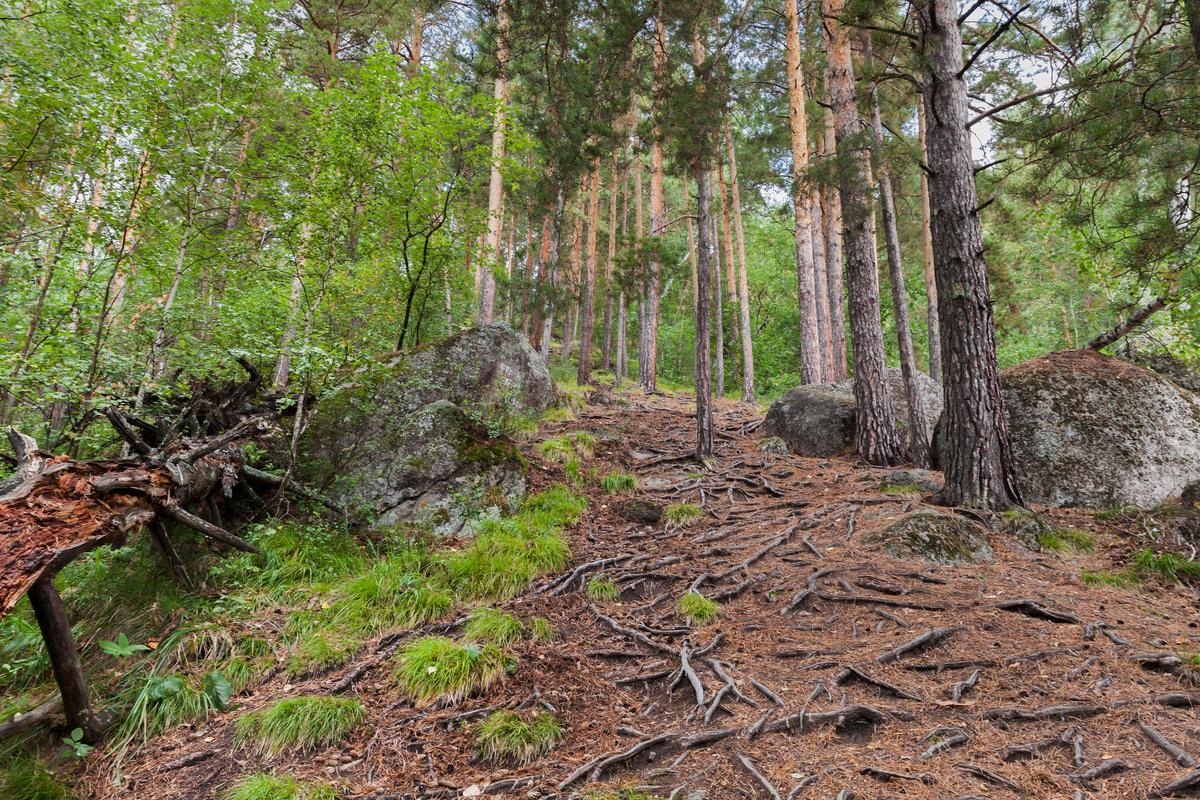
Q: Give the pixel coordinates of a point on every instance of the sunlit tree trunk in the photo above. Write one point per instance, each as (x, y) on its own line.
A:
(743, 285)
(622, 361)
(658, 218)
(573, 272)
(606, 354)
(691, 236)
(718, 310)
(726, 234)
(931, 295)
(876, 439)
(639, 233)
(584, 373)
(495, 219)
(820, 270)
(810, 341)
(978, 465)
(704, 412)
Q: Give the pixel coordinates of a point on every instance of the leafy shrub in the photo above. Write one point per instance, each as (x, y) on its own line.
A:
(298, 724)
(506, 736)
(435, 667)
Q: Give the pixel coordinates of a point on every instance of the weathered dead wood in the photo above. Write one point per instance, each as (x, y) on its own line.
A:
(886, 775)
(1032, 608)
(1131, 322)
(922, 642)
(64, 658)
(1177, 753)
(1183, 783)
(1062, 712)
(595, 768)
(839, 718)
(32, 718)
(956, 691)
(1101, 770)
(943, 739)
(762, 780)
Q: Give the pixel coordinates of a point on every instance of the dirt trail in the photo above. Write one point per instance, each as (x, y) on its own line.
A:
(833, 669)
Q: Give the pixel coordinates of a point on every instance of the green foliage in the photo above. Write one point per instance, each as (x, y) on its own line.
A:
(1064, 540)
(321, 649)
(682, 514)
(435, 667)
(295, 555)
(391, 594)
(122, 648)
(162, 701)
(23, 658)
(619, 483)
(1170, 568)
(490, 625)
(75, 744)
(298, 724)
(575, 444)
(1125, 579)
(508, 737)
(540, 630)
(698, 609)
(279, 787)
(25, 778)
(557, 414)
(600, 587)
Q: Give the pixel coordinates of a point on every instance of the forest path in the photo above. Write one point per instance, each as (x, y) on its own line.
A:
(833, 669)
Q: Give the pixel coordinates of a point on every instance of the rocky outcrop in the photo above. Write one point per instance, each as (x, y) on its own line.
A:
(934, 536)
(1095, 431)
(416, 437)
(818, 420)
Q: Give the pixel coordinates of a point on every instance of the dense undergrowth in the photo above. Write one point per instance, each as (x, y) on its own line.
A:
(159, 655)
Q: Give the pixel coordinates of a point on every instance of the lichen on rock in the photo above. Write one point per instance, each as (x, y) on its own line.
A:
(934, 536)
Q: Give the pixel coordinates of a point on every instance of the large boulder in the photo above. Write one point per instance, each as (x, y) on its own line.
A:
(414, 439)
(818, 420)
(934, 536)
(1094, 431)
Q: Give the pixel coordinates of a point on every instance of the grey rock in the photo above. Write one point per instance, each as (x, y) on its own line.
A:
(818, 420)
(411, 440)
(774, 445)
(934, 536)
(644, 512)
(1093, 431)
(924, 479)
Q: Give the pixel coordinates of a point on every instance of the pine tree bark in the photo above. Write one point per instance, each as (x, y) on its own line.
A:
(691, 236)
(876, 439)
(606, 353)
(639, 233)
(978, 468)
(918, 427)
(726, 235)
(574, 265)
(933, 325)
(718, 312)
(833, 262)
(810, 341)
(495, 220)
(584, 372)
(622, 365)
(743, 285)
(820, 273)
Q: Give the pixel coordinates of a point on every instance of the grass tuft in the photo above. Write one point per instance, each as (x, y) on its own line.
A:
(490, 625)
(619, 483)
(908, 490)
(507, 737)
(435, 667)
(27, 779)
(682, 514)
(1170, 568)
(1065, 540)
(698, 609)
(321, 649)
(540, 630)
(576, 444)
(298, 724)
(600, 587)
(279, 787)
(391, 595)
(1125, 579)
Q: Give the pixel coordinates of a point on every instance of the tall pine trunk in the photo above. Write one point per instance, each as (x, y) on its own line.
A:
(978, 465)
(606, 347)
(743, 287)
(820, 273)
(876, 439)
(704, 413)
(718, 312)
(918, 427)
(584, 374)
(810, 339)
(931, 295)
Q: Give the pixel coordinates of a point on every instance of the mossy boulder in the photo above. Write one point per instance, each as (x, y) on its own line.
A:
(934, 536)
(1093, 431)
(819, 420)
(641, 511)
(420, 437)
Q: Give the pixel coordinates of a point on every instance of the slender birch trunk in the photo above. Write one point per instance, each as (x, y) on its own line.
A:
(833, 263)
(931, 293)
(495, 220)
(820, 271)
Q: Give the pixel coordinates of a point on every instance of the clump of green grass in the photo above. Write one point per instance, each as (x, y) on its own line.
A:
(1169, 567)
(573, 470)
(298, 724)
(1064, 540)
(698, 609)
(619, 483)
(1125, 579)
(321, 649)
(435, 667)
(392, 594)
(623, 794)
(295, 555)
(540, 630)
(508, 554)
(601, 587)
(557, 414)
(279, 787)
(575, 444)
(682, 514)
(26, 778)
(490, 625)
(507, 737)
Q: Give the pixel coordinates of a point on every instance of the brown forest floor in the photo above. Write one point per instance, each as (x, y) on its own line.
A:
(1073, 692)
